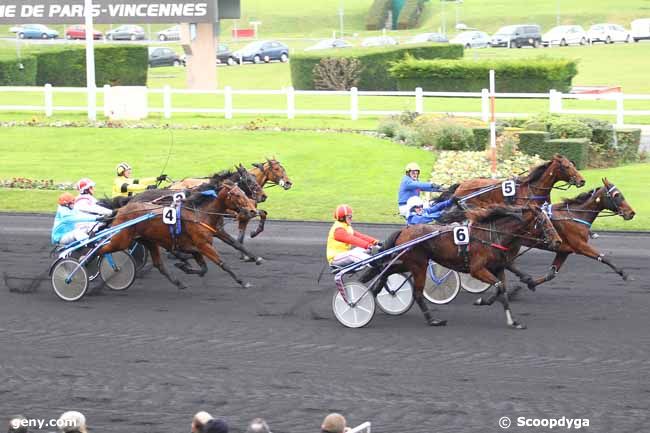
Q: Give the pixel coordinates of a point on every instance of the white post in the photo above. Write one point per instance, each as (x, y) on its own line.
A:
(555, 101)
(291, 102)
(419, 100)
(90, 61)
(485, 105)
(227, 96)
(620, 109)
(167, 101)
(493, 124)
(107, 91)
(48, 100)
(354, 103)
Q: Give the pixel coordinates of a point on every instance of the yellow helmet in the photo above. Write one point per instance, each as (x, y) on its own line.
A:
(122, 167)
(412, 166)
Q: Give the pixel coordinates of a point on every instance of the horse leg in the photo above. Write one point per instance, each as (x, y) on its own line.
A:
(208, 251)
(503, 298)
(559, 260)
(185, 266)
(243, 223)
(587, 250)
(419, 277)
(260, 227)
(229, 240)
(488, 277)
(158, 263)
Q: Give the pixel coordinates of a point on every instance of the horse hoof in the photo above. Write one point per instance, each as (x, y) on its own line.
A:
(479, 301)
(246, 286)
(259, 261)
(182, 287)
(435, 322)
(517, 325)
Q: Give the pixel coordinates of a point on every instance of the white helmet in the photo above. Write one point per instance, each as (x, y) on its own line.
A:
(414, 201)
(122, 167)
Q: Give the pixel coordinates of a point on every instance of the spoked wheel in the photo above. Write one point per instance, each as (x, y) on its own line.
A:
(139, 254)
(473, 285)
(67, 285)
(361, 311)
(117, 270)
(396, 297)
(92, 265)
(442, 285)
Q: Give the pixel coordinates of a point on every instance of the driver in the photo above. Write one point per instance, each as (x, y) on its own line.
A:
(64, 230)
(418, 214)
(411, 186)
(344, 244)
(124, 186)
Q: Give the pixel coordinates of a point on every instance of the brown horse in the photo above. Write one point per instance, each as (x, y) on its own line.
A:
(534, 187)
(495, 236)
(200, 218)
(271, 172)
(572, 218)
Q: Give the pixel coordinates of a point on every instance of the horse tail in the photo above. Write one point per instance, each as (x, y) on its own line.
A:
(448, 193)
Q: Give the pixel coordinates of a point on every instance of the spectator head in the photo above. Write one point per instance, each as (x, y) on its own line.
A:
(200, 419)
(217, 425)
(17, 424)
(258, 425)
(333, 423)
(72, 422)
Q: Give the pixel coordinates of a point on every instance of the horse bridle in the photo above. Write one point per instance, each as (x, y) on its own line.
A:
(609, 193)
(273, 183)
(249, 190)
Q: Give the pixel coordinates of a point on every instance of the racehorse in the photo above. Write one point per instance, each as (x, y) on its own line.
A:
(572, 218)
(200, 216)
(495, 235)
(534, 187)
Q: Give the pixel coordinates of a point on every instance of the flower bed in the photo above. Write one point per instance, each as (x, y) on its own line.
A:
(25, 183)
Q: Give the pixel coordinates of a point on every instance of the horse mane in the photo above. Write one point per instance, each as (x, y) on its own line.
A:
(114, 203)
(197, 199)
(221, 176)
(580, 199)
(535, 173)
(390, 240)
(448, 193)
(492, 213)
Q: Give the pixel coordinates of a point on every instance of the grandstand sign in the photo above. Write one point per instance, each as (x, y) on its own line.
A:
(107, 11)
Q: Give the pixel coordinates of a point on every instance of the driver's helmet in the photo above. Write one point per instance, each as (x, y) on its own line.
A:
(122, 167)
(66, 199)
(84, 185)
(414, 201)
(412, 166)
(342, 211)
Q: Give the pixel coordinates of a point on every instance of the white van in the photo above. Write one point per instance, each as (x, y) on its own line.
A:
(641, 29)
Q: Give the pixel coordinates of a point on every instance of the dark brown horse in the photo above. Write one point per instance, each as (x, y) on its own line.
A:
(495, 235)
(534, 187)
(200, 219)
(572, 218)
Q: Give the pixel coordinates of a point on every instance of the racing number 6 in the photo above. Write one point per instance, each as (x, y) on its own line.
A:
(461, 235)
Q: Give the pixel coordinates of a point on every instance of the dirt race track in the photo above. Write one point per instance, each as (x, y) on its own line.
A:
(145, 360)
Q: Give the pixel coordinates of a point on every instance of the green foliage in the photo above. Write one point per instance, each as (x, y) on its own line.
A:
(576, 149)
(115, 65)
(481, 138)
(628, 141)
(374, 61)
(388, 126)
(377, 15)
(410, 14)
(531, 141)
(451, 136)
(569, 128)
(530, 75)
(12, 75)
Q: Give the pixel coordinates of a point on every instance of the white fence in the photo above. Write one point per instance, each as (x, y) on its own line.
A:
(555, 100)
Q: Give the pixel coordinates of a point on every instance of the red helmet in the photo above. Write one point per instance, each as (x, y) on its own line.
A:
(84, 184)
(342, 211)
(66, 199)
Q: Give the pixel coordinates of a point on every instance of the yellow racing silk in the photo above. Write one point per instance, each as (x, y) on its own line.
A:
(123, 186)
(335, 247)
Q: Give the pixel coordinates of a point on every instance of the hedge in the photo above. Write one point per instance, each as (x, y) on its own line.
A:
(481, 138)
(575, 149)
(12, 75)
(375, 63)
(531, 141)
(516, 76)
(628, 141)
(410, 14)
(377, 15)
(115, 65)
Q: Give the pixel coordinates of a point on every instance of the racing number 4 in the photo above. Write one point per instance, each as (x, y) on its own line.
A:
(169, 215)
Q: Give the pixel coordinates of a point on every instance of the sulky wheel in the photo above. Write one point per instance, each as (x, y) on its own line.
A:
(441, 285)
(361, 311)
(139, 254)
(69, 280)
(117, 270)
(396, 297)
(472, 285)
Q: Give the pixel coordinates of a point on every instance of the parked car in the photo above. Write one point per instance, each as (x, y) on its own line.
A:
(126, 32)
(641, 29)
(608, 33)
(565, 35)
(378, 41)
(79, 32)
(15, 29)
(37, 31)
(327, 44)
(427, 37)
(225, 56)
(266, 51)
(171, 34)
(472, 39)
(517, 36)
(163, 56)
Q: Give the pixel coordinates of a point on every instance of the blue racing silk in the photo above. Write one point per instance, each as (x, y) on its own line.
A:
(429, 214)
(409, 188)
(65, 221)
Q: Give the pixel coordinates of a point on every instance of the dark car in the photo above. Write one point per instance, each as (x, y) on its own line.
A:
(171, 34)
(162, 56)
(517, 36)
(225, 56)
(266, 51)
(127, 32)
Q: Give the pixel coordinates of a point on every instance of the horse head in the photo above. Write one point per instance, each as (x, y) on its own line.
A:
(276, 173)
(566, 171)
(613, 200)
(235, 199)
(249, 185)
